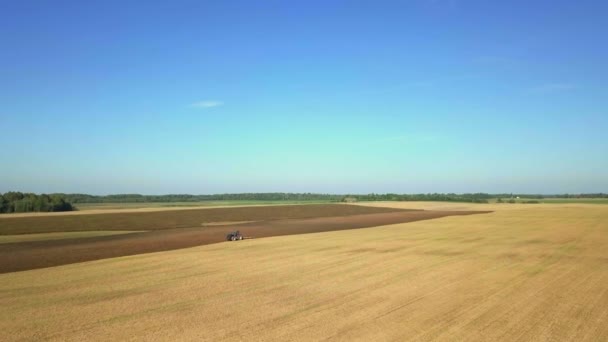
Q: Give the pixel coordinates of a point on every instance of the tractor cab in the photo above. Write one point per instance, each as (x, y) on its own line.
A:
(233, 236)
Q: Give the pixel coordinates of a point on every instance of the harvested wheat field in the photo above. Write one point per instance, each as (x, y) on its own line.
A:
(82, 241)
(535, 273)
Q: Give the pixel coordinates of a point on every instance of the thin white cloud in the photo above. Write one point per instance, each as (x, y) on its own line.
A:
(207, 104)
(552, 88)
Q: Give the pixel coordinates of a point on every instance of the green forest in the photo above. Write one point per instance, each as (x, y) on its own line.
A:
(17, 202)
(282, 196)
(275, 196)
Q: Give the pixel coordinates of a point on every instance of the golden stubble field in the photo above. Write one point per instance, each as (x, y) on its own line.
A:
(521, 273)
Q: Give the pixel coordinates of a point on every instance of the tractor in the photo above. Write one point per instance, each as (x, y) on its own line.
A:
(233, 236)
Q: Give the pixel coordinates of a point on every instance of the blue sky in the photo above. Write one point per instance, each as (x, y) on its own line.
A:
(311, 96)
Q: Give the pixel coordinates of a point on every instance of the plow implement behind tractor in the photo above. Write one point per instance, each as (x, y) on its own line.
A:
(236, 235)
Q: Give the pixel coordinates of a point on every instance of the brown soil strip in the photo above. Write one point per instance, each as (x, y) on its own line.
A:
(160, 220)
(39, 254)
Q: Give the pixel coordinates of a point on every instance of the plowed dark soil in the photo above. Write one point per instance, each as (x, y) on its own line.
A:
(172, 219)
(39, 254)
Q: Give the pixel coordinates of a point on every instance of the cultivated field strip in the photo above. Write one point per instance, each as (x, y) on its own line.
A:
(19, 238)
(517, 275)
(25, 255)
(175, 219)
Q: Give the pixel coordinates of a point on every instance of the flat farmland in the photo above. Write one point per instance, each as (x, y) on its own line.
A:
(58, 236)
(83, 239)
(190, 204)
(172, 219)
(535, 273)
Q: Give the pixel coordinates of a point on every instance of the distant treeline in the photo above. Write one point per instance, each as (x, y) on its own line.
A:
(474, 198)
(136, 198)
(17, 202)
(281, 196)
(276, 196)
(596, 195)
